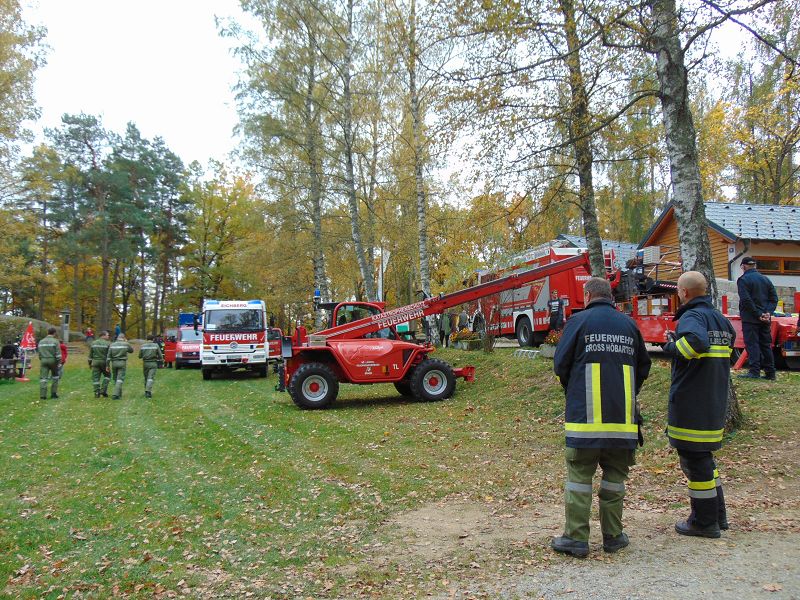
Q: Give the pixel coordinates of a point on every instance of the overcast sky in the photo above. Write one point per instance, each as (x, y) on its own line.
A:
(158, 63)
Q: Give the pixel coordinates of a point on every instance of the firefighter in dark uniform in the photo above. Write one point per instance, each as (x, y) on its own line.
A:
(555, 307)
(602, 362)
(150, 353)
(700, 348)
(98, 353)
(757, 301)
(49, 364)
(117, 358)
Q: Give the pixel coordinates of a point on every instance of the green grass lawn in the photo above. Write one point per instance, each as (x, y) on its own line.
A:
(225, 487)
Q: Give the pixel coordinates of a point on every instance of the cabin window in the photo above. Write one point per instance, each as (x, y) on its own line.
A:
(778, 266)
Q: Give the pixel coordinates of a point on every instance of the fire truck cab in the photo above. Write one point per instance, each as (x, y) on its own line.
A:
(234, 337)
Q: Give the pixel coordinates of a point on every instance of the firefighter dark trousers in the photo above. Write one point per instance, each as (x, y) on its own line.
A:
(705, 488)
(581, 466)
(758, 343)
(118, 377)
(48, 373)
(150, 370)
(99, 378)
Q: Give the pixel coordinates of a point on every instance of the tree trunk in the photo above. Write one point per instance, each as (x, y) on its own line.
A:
(312, 119)
(103, 316)
(115, 279)
(45, 241)
(690, 213)
(419, 182)
(579, 129)
(77, 318)
(143, 305)
(349, 173)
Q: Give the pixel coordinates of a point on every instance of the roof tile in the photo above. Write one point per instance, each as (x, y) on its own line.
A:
(756, 221)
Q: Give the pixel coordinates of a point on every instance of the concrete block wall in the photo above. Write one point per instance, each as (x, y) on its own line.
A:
(728, 288)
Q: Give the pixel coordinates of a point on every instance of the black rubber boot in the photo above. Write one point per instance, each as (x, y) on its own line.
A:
(567, 545)
(722, 513)
(749, 376)
(687, 528)
(148, 395)
(613, 543)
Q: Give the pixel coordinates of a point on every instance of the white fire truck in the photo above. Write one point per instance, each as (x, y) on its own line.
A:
(234, 337)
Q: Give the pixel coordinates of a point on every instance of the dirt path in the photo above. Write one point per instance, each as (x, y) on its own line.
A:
(485, 551)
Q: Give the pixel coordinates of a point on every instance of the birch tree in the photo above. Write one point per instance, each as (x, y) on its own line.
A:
(282, 100)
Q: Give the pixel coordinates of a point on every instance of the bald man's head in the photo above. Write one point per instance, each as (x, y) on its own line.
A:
(691, 284)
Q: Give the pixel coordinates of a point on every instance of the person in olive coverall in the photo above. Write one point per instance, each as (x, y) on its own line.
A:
(150, 353)
(118, 358)
(98, 353)
(50, 362)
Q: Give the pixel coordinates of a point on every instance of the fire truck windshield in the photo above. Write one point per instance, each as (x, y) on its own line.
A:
(233, 319)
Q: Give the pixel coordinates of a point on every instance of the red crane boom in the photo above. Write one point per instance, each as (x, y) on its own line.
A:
(438, 304)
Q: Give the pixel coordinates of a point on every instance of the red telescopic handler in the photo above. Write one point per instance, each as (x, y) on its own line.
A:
(368, 350)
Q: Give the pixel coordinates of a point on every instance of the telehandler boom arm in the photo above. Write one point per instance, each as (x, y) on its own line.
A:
(438, 304)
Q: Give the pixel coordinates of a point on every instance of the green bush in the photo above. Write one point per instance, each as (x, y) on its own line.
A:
(11, 327)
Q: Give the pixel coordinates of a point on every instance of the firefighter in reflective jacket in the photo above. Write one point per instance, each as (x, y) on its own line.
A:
(700, 349)
(601, 361)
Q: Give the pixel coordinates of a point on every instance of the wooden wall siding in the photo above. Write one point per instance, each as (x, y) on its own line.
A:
(667, 237)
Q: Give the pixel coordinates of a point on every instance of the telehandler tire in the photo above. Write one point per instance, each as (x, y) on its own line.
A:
(314, 386)
(403, 386)
(432, 380)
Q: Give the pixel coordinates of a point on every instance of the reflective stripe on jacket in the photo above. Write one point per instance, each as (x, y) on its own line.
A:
(150, 352)
(701, 367)
(98, 352)
(50, 350)
(602, 362)
(118, 352)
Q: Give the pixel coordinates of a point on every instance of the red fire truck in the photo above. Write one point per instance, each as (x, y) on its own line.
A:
(234, 337)
(523, 312)
(646, 291)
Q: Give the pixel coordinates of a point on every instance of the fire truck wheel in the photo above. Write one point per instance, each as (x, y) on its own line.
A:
(403, 388)
(206, 373)
(177, 366)
(524, 332)
(262, 371)
(433, 380)
(314, 385)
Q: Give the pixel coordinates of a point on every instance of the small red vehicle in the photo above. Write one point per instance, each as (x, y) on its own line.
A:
(274, 336)
(182, 347)
(170, 343)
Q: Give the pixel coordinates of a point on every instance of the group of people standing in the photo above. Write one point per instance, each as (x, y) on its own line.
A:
(602, 362)
(107, 360)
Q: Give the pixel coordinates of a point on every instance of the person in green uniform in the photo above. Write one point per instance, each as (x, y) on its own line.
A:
(150, 353)
(50, 362)
(98, 353)
(117, 357)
